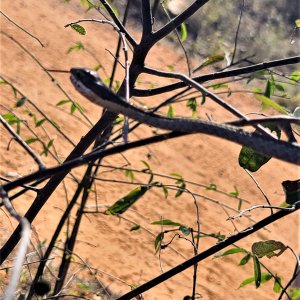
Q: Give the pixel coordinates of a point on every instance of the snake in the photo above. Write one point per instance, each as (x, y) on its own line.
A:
(87, 82)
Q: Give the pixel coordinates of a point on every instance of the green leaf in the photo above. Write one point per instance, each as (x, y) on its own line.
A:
(251, 160)
(277, 284)
(264, 278)
(62, 102)
(31, 140)
(78, 28)
(166, 222)
(295, 76)
(77, 47)
(292, 191)
(219, 86)
(127, 201)
(247, 281)
(234, 194)
(245, 259)
(21, 102)
(129, 174)
(158, 240)
(136, 227)
(185, 230)
(231, 251)
(294, 293)
(47, 147)
(210, 60)
(166, 192)
(171, 68)
(183, 32)
(257, 271)
(192, 104)
(11, 119)
(176, 175)
(267, 102)
(212, 187)
(268, 248)
(297, 23)
(269, 89)
(54, 124)
(279, 87)
(181, 188)
(40, 122)
(170, 113)
(97, 67)
(76, 105)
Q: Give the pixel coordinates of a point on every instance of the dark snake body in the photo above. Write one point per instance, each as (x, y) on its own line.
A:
(88, 83)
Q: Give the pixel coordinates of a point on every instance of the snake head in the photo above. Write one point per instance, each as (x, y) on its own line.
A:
(89, 84)
(85, 76)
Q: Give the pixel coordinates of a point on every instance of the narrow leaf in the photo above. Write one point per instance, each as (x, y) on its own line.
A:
(127, 201)
(21, 102)
(158, 240)
(295, 76)
(165, 190)
(212, 186)
(247, 281)
(129, 174)
(170, 113)
(40, 122)
(181, 189)
(192, 104)
(183, 32)
(267, 102)
(135, 228)
(245, 259)
(62, 102)
(231, 251)
(31, 140)
(257, 271)
(78, 28)
(78, 46)
(210, 60)
(277, 284)
(166, 222)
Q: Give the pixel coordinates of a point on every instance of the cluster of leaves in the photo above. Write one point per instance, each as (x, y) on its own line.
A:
(260, 249)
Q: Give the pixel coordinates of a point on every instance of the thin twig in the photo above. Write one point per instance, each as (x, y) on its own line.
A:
(260, 188)
(20, 27)
(237, 32)
(263, 206)
(118, 23)
(22, 143)
(10, 292)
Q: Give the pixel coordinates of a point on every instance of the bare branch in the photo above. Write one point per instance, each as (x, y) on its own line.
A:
(218, 75)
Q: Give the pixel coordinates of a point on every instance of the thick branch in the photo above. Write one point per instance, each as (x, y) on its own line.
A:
(147, 19)
(163, 32)
(119, 24)
(218, 75)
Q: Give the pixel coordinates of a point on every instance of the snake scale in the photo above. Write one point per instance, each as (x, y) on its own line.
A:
(89, 84)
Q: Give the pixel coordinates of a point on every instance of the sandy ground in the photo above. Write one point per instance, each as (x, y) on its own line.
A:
(125, 258)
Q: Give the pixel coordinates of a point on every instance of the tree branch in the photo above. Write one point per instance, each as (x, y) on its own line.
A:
(207, 253)
(218, 75)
